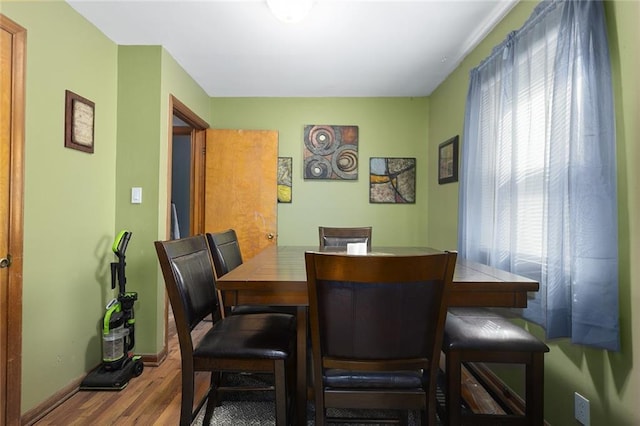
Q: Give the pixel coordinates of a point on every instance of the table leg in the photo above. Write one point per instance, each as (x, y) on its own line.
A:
(301, 385)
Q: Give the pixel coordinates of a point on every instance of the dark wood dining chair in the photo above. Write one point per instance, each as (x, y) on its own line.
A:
(226, 254)
(340, 237)
(259, 343)
(376, 329)
(225, 251)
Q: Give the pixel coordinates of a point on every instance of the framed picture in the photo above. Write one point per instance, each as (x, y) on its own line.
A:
(79, 118)
(330, 152)
(392, 180)
(285, 165)
(448, 161)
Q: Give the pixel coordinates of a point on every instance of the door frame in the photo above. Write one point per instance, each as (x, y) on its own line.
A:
(13, 325)
(198, 133)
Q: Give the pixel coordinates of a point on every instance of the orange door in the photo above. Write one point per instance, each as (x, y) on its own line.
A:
(12, 46)
(241, 186)
(5, 126)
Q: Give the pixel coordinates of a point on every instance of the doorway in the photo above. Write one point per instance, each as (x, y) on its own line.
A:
(181, 154)
(189, 164)
(186, 168)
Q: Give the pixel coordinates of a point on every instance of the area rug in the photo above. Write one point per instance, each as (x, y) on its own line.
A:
(258, 409)
(262, 413)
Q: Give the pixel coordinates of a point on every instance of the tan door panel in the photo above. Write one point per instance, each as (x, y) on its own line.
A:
(241, 186)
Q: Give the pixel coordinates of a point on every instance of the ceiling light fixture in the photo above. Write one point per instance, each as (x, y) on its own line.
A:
(290, 11)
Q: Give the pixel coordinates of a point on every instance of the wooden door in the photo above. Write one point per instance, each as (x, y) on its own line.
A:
(12, 58)
(241, 186)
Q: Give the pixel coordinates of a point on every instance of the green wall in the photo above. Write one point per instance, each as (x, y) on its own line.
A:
(388, 127)
(138, 165)
(147, 78)
(69, 212)
(605, 378)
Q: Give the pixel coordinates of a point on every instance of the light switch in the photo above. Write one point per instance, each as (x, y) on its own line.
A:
(136, 195)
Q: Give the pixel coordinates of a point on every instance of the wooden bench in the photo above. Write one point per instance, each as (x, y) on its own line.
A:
(478, 335)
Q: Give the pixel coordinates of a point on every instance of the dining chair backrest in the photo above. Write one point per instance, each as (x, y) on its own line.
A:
(225, 251)
(226, 254)
(340, 237)
(376, 313)
(189, 277)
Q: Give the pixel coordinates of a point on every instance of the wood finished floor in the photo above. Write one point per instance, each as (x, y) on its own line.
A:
(150, 399)
(154, 397)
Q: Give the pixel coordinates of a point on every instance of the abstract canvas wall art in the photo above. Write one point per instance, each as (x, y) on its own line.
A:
(285, 165)
(392, 180)
(331, 152)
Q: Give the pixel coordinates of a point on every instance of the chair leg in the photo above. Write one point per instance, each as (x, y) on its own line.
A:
(431, 411)
(208, 414)
(212, 397)
(424, 418)
(453, 365)
(186, 406)
(281, 392)
(217, 380)
(535, 389)
(404, 417)
(320, 411)
(291, 371)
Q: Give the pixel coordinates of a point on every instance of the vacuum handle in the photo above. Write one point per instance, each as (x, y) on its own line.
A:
(114, 271)
(121, 242)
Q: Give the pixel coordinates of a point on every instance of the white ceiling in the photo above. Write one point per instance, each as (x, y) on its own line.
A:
(343, 48)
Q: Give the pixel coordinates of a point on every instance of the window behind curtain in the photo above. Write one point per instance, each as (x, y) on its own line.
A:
(537, 192)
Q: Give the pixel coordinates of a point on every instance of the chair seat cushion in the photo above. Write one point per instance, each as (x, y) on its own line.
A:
(488, 333)
(268, 336)
(336, 378)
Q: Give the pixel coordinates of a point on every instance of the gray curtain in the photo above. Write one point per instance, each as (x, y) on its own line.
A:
(538, 176)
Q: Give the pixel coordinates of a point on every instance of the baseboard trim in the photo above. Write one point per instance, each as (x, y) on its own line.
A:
(45, 407)
(152, 360)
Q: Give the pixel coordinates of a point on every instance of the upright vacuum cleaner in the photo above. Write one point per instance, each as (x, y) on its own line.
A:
(119, 364)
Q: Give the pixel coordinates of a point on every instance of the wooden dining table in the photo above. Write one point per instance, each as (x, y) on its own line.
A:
(277, 276)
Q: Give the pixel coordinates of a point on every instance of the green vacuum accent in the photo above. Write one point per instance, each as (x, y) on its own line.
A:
(119, 364)
(120, 243)
(112, 307)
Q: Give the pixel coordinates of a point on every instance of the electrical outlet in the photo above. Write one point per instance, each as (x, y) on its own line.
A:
(581, 409)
